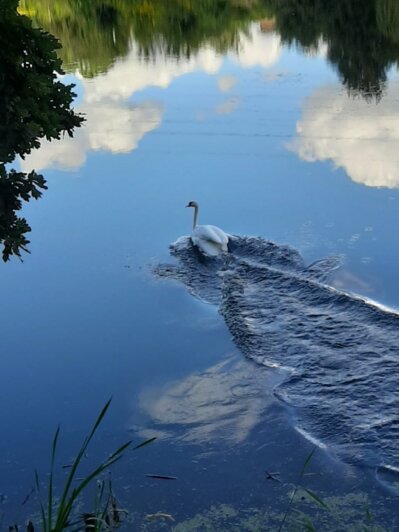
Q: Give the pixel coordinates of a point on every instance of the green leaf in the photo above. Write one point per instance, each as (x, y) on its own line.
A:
(42, 512)
(146, 442)
(309, 458)
(316, 498)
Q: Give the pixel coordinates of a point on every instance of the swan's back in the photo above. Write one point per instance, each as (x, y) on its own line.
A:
(210, 239)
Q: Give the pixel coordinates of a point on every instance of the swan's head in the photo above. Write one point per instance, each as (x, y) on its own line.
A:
(192, 204)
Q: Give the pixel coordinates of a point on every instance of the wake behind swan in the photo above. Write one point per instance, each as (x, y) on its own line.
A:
(342, 350)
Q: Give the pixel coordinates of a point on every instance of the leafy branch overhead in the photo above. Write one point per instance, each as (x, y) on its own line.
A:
(34, 105)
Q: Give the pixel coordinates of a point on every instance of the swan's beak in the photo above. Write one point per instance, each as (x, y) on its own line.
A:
(188, 205)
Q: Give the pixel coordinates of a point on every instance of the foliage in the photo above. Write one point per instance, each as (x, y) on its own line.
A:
(34, 105)
(361, 37)
(56, 515)
(15, 187)
(106, 515)
(387, 15)
(295, 491)
(61, 513)
(95, 33)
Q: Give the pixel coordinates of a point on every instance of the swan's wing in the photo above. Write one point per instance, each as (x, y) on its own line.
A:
(208, 247)
(212, 234)
(224, 238)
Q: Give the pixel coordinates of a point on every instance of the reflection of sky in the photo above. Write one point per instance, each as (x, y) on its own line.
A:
(358, 136)
(226, 402)
(115, 125)
(94, 317)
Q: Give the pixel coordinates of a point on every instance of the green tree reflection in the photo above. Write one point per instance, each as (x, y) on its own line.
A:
(362, 37)
(95, 33)
(33, 105)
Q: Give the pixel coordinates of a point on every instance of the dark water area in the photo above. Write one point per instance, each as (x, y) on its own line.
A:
(281, 120)
(339, 351)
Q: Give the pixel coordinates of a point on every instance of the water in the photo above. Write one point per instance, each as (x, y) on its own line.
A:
(243, 363)
(339, 350)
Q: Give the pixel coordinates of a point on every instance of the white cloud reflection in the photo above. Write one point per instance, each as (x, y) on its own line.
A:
(358, 136)
(115, 124)
(226, 83)
(224, 402)
(258, 49)
(111, 126)
(228, 106)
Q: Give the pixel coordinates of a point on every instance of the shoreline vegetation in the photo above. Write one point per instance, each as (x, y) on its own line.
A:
(60, 505)
(34, 104)
(62, 512)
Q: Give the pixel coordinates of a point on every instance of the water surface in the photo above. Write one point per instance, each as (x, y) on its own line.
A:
(283, 131)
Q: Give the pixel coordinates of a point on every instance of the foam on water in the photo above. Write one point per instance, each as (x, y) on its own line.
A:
(340, 350)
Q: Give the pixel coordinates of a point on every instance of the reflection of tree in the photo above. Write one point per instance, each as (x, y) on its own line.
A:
(181, 27)
(95, 33)
(362, 37)
(33, 105)
(388, 19)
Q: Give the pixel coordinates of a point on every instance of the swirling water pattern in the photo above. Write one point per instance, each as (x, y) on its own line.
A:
(341, 352)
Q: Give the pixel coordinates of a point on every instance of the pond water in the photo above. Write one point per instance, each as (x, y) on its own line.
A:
(282, 122)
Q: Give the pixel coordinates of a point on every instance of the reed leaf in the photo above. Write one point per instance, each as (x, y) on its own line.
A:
(316, 498)
(146, 442)
(295, 490)
(63, 512)
(63, 505)
(51, 479)
(42, 511)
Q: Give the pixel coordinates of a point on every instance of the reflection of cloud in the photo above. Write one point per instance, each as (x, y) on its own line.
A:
(224, 402)
(258, 49)
(226, 83)
(228, 106)
(112, 126)
(133, 74)
(360, 137)
(117, 126)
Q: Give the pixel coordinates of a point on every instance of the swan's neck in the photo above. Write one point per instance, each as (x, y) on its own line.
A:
(195, 216)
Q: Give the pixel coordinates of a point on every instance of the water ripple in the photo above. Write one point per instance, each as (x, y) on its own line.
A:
(340, 351)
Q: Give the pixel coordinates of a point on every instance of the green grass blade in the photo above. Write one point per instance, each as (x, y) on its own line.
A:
(316, 498)
(307, 525)
(119, 451)
(101, 515)
(43, 513)
(99, 497)
(66, 510)
(305, 465)
(62, 509)
(50, 483)
(146, 442)
(308, 459)
(117, 455)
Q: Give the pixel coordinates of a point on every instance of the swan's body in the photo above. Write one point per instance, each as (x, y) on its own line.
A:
(209, 239)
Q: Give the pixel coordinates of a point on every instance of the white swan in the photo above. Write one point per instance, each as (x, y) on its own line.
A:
(208, 238)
